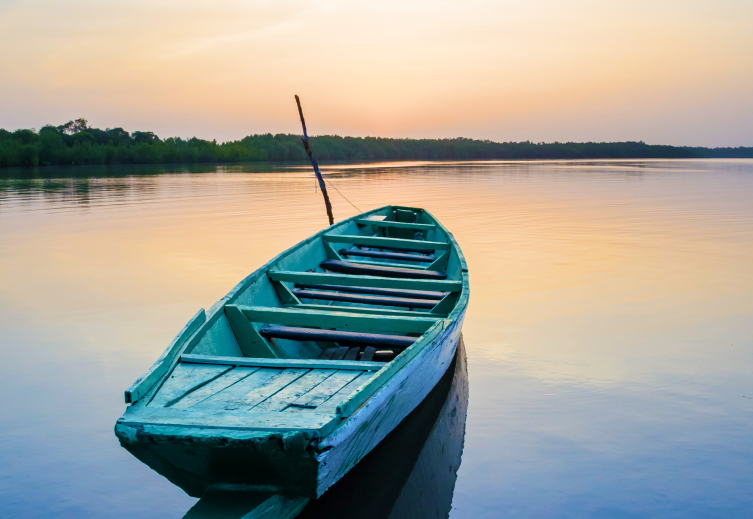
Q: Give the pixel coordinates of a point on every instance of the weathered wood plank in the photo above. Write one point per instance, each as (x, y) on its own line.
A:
(330, 405)
(352, 353)
(375, 263)
(253, 389)
(341, 337)
(184, 379)
(281, 399)
(324, 391)
(215, 386)
(397, 225)
(400, 256)
(327, 353)
(365, 299)
(365, 310)
(145, 382)
(368, 353)
(369, 269)
(442, 285)
(340, 353)
(283, 363)
(411, 294)
(375, 241)
(317, 423)
(335, 319)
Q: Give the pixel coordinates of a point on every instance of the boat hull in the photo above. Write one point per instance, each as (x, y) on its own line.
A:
(293, 463)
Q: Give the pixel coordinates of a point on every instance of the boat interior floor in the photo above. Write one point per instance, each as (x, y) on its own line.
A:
(195, 385)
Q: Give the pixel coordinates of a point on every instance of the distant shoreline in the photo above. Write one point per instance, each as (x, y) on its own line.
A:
(75, 143)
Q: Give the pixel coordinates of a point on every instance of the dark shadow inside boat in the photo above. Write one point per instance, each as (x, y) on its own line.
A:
(410, 474)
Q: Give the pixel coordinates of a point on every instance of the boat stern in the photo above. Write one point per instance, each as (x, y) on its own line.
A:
(202, 459)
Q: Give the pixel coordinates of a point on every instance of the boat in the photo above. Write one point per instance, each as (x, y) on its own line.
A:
(288, 381)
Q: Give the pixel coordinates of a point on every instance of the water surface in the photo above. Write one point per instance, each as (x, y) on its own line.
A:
(609, 335)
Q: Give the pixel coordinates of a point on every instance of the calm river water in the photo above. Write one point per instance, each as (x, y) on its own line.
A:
(609, 337)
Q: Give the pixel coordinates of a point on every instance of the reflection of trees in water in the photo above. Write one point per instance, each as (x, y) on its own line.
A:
(77, 185)
(81, 185)
(410, 474)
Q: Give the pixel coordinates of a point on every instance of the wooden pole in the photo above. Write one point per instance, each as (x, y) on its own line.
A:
(318, 173)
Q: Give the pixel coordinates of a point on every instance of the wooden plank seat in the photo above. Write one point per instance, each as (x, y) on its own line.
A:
(340, 337)
(365, 299)
(362, 269)
(386, 255)
(416, 294)
(443, 285)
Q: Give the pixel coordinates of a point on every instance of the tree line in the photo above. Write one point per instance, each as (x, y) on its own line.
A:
(76, 143)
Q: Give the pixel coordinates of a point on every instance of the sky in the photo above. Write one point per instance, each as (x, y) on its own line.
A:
(662, 71)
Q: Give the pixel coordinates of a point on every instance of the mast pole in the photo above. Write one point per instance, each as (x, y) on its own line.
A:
(315, 164)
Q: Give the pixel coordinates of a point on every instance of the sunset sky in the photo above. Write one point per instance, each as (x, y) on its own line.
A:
(662, 71)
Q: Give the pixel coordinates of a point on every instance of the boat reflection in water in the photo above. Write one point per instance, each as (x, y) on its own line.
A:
(411, 473)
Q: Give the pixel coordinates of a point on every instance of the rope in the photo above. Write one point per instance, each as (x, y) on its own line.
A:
(346, 199)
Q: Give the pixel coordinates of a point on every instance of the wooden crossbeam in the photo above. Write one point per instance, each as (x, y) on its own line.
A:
(376, 241)
(350, 338)
(417, 294)
(347, 267)
(365, 281)
(366, 310)
(364, 299)
(282, 363)
(365, 261)
(386, 255)
(337, 320)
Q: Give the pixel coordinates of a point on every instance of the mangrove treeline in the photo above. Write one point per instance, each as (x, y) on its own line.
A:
(77, 143)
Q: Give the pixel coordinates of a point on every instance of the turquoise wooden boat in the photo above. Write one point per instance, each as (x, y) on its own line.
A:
(307, 364)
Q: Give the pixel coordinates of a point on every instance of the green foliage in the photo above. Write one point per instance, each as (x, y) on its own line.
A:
(75, 142)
